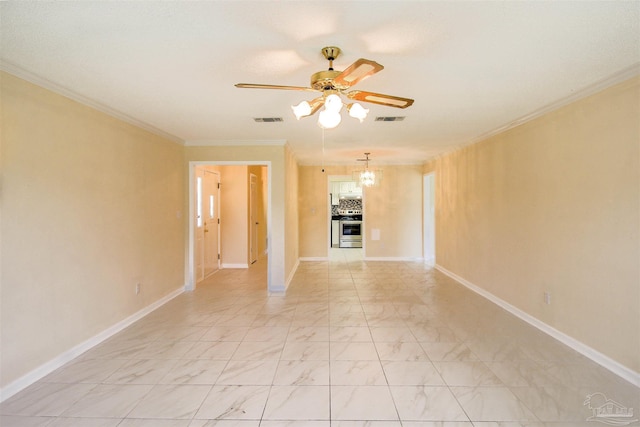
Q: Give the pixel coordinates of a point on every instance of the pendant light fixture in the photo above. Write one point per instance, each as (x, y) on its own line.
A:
(367, 177)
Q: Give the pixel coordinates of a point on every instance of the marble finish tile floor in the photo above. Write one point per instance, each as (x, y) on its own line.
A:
(352, 343)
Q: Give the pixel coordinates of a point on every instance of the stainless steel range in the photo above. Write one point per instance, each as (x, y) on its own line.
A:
(350, 228)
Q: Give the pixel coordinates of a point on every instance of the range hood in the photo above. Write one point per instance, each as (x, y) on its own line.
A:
(350, 196)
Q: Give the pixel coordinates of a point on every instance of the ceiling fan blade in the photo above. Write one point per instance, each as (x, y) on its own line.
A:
(354, 73)
(259, 86)
(378, 98)
(316, 104)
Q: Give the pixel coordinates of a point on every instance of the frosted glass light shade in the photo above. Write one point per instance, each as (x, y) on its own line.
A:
(357, 111)
(333, 103)
(367, 178)
(301, 110)
(329, 119)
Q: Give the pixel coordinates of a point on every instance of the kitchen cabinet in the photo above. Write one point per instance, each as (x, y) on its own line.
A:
(343, 188)
(335, 193)
(350, 187)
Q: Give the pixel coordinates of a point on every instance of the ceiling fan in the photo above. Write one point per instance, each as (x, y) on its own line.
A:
(333, 83)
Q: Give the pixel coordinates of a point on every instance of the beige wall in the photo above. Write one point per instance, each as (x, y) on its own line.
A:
(394, 208)
(90, 206)
(277, 157)
(553, 205)
(313, 205)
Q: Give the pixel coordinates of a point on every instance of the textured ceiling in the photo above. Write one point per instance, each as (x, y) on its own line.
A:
(473, 68)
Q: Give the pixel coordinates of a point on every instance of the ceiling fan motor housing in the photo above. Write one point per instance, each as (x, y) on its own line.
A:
(324, 80)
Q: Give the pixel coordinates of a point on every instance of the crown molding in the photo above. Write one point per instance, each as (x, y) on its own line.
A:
(607, 82)
(68, 93)
(592, 89)
(231, 142)
(376, 163)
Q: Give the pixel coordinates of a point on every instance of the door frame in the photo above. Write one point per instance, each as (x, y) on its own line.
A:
(190, 276)
(216, 225)
(343, 178)
(253, 231)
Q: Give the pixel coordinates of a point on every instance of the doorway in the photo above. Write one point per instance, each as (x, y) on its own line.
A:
(429, 218)
(346, 201)
(217, 193)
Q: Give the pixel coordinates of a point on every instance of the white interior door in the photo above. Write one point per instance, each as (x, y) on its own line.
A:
(199, 223)
(429, 219)
(253, 218)
(211, 191)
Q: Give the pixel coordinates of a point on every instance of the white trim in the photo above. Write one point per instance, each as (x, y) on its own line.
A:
(277, 290)
(224, 265)
(290, 277)
(65, 357)
(404, 259)
(68, 93)
(601, 359)
(239, 142)
(314, 258)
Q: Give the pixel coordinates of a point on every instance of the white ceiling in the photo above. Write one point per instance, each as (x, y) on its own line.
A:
(473, 68)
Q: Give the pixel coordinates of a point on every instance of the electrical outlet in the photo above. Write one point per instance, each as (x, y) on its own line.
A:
(137, 288)
(547, 298)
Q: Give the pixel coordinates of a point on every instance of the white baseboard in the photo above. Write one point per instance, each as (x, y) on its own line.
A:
(235, 265)
(601, 359)
(60, 360)
(290, 277)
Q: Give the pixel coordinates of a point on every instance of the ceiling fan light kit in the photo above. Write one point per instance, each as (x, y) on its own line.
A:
(334, 83)
(357, 111)
(328, 119)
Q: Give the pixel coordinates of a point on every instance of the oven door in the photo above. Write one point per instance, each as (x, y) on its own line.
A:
(350, 234)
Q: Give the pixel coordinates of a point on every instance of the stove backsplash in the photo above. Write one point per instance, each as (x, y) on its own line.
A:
(346, 204)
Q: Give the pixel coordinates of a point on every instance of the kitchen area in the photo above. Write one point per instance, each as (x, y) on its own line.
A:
(346, 214)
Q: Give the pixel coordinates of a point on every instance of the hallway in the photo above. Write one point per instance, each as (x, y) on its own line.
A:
(397, 343)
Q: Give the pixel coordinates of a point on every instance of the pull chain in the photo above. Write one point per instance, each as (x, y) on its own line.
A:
(322, 150)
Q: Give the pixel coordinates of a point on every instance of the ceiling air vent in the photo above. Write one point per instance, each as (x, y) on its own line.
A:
(390, 119)
(268, 119)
